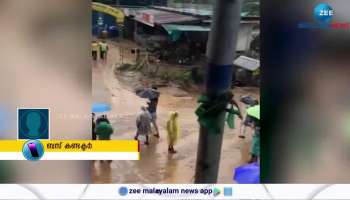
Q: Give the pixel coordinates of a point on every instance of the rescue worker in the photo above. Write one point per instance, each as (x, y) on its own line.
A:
(94, 50)
(103, 50)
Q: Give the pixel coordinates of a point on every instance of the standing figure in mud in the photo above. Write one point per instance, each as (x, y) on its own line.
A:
(255, 146)
(103, 50)
(94, 50)
(173, 131)
(94, 136)
(104, 130)
(143, 124)
(152, 108)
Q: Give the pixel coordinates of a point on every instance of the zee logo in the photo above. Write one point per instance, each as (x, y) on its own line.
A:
(323, 12)
(326, 12)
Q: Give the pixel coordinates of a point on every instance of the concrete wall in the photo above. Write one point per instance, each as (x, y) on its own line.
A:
(245, 34)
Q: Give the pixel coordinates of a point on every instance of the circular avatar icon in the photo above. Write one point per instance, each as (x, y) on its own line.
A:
(33, 150)
(323, 12)
(123, 191)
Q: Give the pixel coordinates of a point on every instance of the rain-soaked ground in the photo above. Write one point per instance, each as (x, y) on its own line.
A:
(156, 165)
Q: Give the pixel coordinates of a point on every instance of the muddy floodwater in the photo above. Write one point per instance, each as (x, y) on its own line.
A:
(156, 165)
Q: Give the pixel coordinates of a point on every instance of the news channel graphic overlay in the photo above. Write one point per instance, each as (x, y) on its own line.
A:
(323, 14)
(33, 123)
(176, 191)
(111, 191)
(34, 150)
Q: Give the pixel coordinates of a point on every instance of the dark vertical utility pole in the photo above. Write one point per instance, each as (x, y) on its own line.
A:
(221, 50)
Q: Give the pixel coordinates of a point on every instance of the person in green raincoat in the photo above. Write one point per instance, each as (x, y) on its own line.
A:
(232, 111)
(173, 131)
(103, 129)
(254, 114)
(255, 147)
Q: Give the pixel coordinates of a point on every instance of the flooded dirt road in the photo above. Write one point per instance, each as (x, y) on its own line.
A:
(156, 165)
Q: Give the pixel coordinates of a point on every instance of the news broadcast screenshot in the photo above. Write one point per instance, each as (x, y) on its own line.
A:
(161, 99)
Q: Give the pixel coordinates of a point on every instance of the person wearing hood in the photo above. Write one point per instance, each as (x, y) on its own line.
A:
(143, 124)
(103, 129)
(173, 131)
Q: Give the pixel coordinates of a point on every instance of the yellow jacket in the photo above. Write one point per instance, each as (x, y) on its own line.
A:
(103, 46)
(173, 128)
(94, 46)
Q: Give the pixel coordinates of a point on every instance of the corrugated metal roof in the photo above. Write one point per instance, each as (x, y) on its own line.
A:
(163, 17)
(178, 27)
(175, 30)
(248, 9)
(191, 11)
